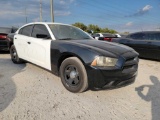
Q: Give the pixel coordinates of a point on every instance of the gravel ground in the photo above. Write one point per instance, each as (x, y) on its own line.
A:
(28, 92)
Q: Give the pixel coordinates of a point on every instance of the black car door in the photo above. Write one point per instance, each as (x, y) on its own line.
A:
(138, 42)
(154, 45)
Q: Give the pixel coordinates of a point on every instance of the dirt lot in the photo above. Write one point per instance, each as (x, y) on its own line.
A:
(28, 92)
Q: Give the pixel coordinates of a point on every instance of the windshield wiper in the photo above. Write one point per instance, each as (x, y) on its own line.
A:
(87, 38)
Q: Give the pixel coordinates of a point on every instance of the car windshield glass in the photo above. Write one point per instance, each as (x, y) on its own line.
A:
(107, 35)
(65, 32)
(5, 30)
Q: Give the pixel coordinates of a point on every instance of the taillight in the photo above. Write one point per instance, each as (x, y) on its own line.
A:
(108, 39)
(3, 36)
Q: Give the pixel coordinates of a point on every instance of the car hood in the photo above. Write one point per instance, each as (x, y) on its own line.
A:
(114, 48)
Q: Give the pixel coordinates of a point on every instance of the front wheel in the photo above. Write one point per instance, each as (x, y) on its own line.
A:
(73, 75)
(14, 55)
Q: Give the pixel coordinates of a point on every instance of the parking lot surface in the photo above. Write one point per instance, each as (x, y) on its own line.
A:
(28, 92)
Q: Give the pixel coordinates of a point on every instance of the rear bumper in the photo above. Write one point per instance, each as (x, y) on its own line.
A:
(111, 78)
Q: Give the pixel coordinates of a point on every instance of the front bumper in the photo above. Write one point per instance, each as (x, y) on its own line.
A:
(101, 78)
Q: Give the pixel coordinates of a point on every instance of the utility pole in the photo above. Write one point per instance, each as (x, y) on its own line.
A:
(26, 14)
(52, 13)
(40, 11)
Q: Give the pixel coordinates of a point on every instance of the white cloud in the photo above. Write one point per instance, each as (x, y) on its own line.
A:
(62, 2)
(129, 24)
(36, 19)
(62, 13)
(66, 2)
(141, 12)
(147, 8)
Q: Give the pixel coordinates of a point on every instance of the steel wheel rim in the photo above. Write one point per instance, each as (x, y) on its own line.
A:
(14, 54)
(71, 75)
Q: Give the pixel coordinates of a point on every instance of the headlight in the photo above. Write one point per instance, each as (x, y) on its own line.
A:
(104, 61)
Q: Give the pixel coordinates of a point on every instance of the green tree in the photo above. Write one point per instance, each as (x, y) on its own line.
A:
(112, 31)
(94, 28)
(80, 25)
(105, 30)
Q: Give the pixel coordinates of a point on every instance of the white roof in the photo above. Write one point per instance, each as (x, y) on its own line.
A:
(44, 23)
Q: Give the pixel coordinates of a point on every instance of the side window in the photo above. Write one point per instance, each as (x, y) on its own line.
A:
(153, 36)
(139, 36)
(97, 35)
(157, 36)
(40, 29)
(27, 30)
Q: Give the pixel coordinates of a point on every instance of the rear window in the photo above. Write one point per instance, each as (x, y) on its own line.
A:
(5, 30)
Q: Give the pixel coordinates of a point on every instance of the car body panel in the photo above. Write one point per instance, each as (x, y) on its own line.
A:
(147, 48)
(104, 75)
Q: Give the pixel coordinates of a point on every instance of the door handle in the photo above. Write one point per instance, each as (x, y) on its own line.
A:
(15, 38)
(149, 42)
(29, 42)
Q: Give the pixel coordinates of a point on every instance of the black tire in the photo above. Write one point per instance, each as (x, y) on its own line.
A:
(14, 55)
(73, 75)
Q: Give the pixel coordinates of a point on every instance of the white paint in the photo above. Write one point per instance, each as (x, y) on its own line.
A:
(38, 51)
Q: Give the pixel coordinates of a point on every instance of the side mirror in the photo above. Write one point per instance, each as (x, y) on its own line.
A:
(43, 36)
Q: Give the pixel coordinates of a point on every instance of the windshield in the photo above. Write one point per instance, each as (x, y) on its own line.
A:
(65, 32)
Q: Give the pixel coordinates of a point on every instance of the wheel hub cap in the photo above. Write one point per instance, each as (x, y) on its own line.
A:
(73, 74)
(14, 54)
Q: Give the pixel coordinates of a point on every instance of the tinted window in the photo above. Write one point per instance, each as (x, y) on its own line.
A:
(139, 36)
(153, 36)
(97, 35)
(40, 29)
(27, 30)
(14, 30)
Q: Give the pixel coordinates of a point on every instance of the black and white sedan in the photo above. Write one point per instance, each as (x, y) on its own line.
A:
(81, 61)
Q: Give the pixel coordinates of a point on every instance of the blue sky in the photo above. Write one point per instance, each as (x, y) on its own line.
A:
(120, 15)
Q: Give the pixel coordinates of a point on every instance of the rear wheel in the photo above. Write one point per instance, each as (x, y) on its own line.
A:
(73, 75)
(14, 55)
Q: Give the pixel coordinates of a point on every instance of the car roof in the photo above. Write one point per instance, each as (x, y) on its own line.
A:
(43, 23)
(146, 32)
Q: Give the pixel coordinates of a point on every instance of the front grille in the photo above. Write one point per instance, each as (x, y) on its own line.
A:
(130, 62)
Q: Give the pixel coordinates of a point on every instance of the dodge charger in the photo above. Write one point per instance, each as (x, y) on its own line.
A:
(81, 61)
